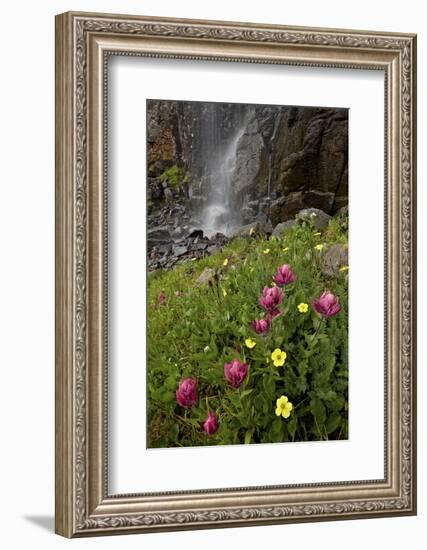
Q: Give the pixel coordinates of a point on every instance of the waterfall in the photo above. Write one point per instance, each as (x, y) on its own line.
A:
(218, 214)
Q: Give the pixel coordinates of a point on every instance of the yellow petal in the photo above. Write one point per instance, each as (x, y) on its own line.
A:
(276, 354)
(278, 411)
(285, 413)
(250, 343)
(225, 262)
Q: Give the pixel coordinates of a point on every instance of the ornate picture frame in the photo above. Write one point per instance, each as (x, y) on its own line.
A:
(84, 42)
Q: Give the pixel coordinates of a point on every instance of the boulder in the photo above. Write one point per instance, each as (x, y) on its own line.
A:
(281, 227)
(319, 218)
(252, 229)
(334, 258)
(293, 204)
(342, 212)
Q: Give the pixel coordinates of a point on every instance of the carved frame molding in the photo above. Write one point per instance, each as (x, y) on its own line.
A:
(83, 43)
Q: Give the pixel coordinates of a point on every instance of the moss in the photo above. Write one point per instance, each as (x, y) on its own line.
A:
(174, 176)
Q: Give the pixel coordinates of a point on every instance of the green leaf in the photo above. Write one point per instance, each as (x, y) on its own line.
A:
(168, 396)
(248, 437)
(174, 432)
(333, 422)
(317, 409)
(268, 385)
(292, 425)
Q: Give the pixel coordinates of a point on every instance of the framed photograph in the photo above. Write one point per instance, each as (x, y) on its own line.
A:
(235, 274)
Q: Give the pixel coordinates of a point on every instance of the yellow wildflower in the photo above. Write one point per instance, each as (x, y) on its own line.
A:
(302, 307)
(279, 357)
(225, 262)
(250, 343)
(266, 251)
(344, 268)
(283, 407)
(224, 292)
(319, 247)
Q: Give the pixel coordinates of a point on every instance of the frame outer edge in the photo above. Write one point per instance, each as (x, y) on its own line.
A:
(413, 253)
(64, 276)
(74, 514)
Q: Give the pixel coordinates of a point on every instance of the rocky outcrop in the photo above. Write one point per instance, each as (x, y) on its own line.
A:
(286, 159)
(296, 156)
(165, 252)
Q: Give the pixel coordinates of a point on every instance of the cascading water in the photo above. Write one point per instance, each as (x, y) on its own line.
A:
(218, 214)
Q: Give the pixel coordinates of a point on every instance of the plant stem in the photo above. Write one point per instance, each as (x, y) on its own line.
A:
(317, 329)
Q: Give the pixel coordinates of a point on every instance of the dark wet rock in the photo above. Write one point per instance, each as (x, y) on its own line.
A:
(247, 214)
(319, 218)
(196, 233)
(307, 150)
(164, 249)
(180, 250)
(334, 258)
(159, 234)
(282, 227)
(199, 246)
(319, 199)
(156, 191)
(166, 255)
(293, 203)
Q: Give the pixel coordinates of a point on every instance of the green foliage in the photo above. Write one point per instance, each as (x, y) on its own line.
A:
(174, 176)
(200, 327)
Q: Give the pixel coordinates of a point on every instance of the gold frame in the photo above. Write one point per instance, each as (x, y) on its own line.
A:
(83, 43)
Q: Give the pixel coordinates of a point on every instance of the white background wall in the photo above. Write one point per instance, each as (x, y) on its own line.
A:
(27, 273)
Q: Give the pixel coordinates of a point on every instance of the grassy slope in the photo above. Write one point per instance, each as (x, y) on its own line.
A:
(199, 328)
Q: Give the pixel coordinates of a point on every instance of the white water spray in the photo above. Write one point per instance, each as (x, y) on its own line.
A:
(219, 215)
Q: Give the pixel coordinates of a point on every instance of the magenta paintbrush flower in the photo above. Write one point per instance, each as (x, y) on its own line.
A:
(186, 394)
(285, 275)
(235, 372)
(271, 298)
(262, 326)
(210, 425)
(327, 305)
